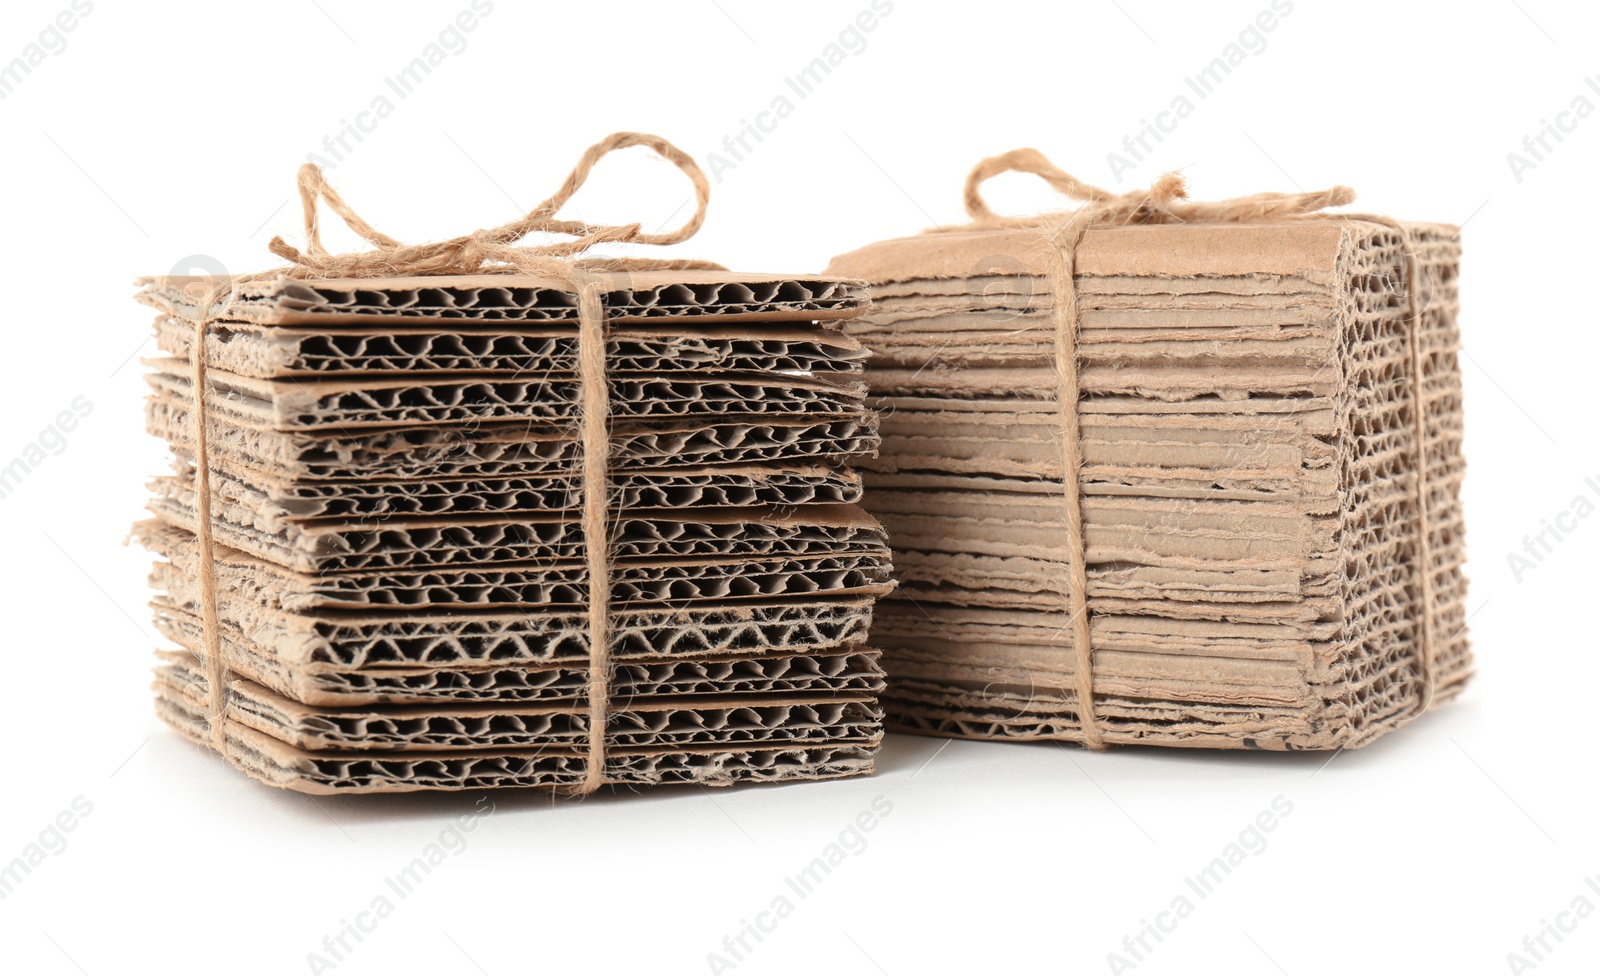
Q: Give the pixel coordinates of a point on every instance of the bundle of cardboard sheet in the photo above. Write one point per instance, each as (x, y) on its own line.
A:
(1248, 481)
(397, 482)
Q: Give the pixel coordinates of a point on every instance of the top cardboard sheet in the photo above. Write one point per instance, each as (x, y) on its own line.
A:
(1306, 249)
(630, 296)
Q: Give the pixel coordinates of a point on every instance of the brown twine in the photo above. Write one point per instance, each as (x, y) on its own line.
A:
(490, 251)
(217, 675)
(596, 536)
(1165, 202)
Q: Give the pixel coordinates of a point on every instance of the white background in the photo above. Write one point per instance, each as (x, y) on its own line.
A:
(162, 131)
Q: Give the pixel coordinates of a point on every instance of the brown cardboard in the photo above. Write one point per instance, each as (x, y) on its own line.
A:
(273, 502)
(396, 484)
(351, 403)
(325, 546)
(637, 722)
(508, 449)
(276, 351)
(278, 764)
(853, 669)
(526, 585)
(1247, 482)
(629, 297)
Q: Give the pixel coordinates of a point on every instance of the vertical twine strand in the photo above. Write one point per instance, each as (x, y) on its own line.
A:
(218, 677)
(1063, 275)
(596, 459)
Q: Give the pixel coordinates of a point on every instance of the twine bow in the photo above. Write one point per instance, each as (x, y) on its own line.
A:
(489, 251)
(494, 249)
(1166, 202)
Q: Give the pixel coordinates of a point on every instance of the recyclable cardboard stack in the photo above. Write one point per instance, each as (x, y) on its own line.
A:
(1248, 481)
(396, 488)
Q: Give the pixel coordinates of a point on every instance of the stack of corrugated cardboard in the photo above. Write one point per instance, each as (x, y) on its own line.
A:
(397, 481)
(1248, 481)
